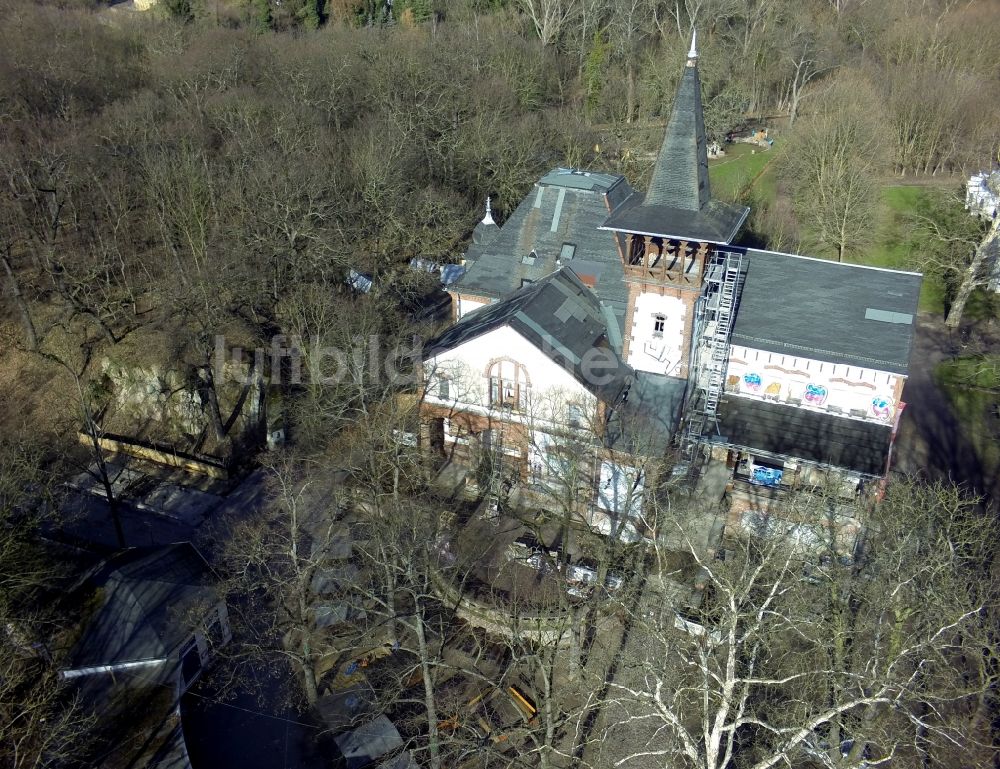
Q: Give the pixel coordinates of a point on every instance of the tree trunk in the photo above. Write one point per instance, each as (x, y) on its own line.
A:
(22, 306)
(213, 404)
(971, 276)
(308, 673)
(114, 505)
(630, 93)
(433, 739)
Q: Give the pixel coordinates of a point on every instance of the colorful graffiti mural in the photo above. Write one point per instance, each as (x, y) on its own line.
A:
(882, 408)
(816, 394)
(765, 476)
(752, 382)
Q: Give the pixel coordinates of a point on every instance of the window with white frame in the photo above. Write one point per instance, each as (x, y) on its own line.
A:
(509, 385)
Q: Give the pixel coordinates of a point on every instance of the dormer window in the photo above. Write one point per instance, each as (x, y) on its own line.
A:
(529, 259)
(567, 251)
(659, 324)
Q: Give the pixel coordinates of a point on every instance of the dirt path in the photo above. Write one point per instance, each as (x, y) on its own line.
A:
(931, 442)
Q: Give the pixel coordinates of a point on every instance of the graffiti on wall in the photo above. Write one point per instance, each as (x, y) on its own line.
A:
(815, 394)
(882, 408)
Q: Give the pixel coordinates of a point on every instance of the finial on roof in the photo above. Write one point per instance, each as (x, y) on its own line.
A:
(488, 219)
(693, 53)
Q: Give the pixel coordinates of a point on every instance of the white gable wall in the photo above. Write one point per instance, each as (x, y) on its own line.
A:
(652, 350)
(466, 367)
(467, 305)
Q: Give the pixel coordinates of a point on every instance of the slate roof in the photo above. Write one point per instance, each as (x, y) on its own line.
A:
(146, 598)
(715, 223)
(562, 318)
(645, 423)
(680, 176)
(828, 311)
(566, 206)
(678, 203)
(813, 436)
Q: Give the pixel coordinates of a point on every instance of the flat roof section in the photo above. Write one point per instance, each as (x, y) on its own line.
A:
(577, 179)
(813, 436)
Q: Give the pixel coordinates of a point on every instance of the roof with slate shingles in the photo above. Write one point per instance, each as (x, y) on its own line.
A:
(646, 421)
(841, 313)
(680, 176)
(812, 436)
(562, 318)
(566, 207)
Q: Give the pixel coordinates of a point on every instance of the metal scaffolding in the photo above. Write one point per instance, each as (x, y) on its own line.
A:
(723, 282)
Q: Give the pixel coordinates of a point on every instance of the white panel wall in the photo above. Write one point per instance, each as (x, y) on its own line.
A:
(649, 350)
(465, 306)
(810, 383)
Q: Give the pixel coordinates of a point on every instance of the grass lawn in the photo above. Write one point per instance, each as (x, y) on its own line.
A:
(892, 244)
(972, 384)
(742, 164)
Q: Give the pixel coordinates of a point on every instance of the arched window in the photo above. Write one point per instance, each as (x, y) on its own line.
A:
(509, 385)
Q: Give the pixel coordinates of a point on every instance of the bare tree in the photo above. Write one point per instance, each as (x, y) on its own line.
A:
(833, 165)
(957, 246)
(274, 562)
(42, 722)
(803, 654)
(550, 17)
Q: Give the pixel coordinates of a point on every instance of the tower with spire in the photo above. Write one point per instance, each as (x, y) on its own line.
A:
(667, 236)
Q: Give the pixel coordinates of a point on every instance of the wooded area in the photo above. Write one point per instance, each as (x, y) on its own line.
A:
(213, 169)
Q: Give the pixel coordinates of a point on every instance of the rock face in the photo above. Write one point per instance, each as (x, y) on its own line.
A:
(174, 404)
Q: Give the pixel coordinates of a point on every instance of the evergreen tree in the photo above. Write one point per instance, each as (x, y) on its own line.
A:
(593, 72)
(312, 14)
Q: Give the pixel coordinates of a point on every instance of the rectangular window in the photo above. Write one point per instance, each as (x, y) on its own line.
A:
(444, 388)
(495, 390)
(659, 323)
(574, 415)
(567, 251)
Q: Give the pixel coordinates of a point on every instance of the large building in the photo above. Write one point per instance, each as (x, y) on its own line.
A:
(634, 322)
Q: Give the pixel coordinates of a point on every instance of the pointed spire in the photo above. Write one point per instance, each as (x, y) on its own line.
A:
(693, 53)
(486, 231)
(680, 176)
